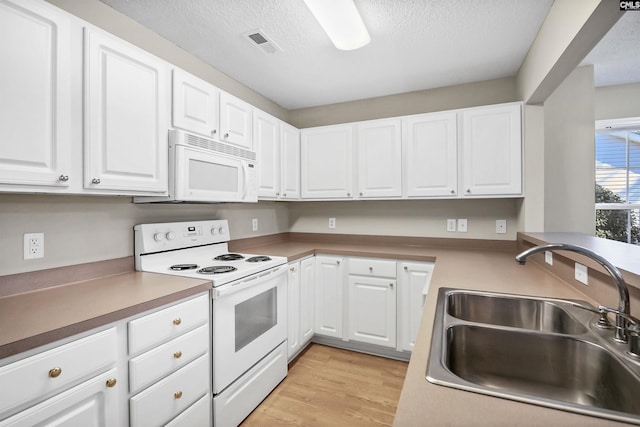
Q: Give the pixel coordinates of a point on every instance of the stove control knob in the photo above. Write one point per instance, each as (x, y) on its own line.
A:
(213, 231)
(170, 235)
(221, 230)
(158, 237)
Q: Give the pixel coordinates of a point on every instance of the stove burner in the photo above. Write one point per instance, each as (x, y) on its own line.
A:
(217, 269)
(181, 267)
(228, 257)
(260, 258)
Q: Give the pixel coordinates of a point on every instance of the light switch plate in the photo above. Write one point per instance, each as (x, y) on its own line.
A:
(254, 224)
(581, 274)
(332, 223)
(462, 225)
(501, 226)
(451, 225)
(548, 257)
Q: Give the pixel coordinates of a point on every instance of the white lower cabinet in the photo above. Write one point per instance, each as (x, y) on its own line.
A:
(92, 403)
(372, 301)
(329, 295)
(413, 284)
(173, 372)
(300, 305)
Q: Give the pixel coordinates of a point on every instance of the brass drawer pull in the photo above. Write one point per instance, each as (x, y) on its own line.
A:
(177, 394)
(177, 321)
(55, 372)
(111, 382)
(177, 354)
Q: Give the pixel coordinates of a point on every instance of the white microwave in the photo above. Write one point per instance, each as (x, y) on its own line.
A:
(202, 170)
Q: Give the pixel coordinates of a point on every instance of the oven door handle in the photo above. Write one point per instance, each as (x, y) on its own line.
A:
(248, 282)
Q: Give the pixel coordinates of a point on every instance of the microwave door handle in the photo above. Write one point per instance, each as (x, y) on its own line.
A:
(245, 178)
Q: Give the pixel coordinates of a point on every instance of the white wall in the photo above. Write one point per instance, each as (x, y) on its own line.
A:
(618, 101)
(80, 229)
(569, 158)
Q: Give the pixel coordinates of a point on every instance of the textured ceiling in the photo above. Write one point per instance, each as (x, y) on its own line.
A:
(415, 44)
(616, 58)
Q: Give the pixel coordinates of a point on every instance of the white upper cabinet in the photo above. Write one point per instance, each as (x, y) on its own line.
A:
(327, 162)
(126, 117)
(289, 162)
(430, 155)
(379, 155)
(266, 132)
(492, 150)
(35, 93)
(236, 121)
(195, 105)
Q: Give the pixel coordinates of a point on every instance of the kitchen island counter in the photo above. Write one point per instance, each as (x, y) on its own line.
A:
(491, 268)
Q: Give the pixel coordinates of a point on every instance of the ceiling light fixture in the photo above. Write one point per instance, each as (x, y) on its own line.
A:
(341, 21)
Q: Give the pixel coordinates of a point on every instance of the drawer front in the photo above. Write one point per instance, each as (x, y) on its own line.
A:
(157, 363)
(166, 399)
(198, 414)
(56, 369)
(150, 330)
(372, 267)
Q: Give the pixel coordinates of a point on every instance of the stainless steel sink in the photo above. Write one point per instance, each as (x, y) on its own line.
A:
(516, 312)
(535, 350)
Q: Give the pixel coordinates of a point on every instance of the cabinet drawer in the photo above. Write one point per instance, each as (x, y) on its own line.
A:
(157, 363)
(372, 267)
(172, 395)
(56, 369)
(162, 325)
(198, 414)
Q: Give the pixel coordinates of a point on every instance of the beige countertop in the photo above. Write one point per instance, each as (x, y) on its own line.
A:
(423, 403)
(40, 317)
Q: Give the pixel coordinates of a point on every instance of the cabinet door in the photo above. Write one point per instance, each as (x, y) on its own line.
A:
(195, 104)
(430, 155)
(413, 284)
(35, 112)
(289, 162)
(329, 295)
(492, 151)
(266, 132)
(126, 117)
(236, 121)
(372, 310)
(327, 162)
(293, 308)
(307, 299)
(380, 158)
(93, 403)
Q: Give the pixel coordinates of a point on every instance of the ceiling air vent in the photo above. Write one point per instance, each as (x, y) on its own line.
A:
(260, 39)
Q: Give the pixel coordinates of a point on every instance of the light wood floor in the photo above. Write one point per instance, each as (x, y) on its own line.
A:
(326, 386)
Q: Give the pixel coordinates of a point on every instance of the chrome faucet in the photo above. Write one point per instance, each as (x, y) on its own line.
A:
(623, 313)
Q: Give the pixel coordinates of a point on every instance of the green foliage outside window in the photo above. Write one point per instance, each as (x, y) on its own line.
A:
(612, 224)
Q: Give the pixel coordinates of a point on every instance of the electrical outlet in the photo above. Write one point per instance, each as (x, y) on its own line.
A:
(332, 223)
(581, 274)
(451, 225)
(254, 224)
(33, 245)
(548, 257)
(501, 226)
(462, 225)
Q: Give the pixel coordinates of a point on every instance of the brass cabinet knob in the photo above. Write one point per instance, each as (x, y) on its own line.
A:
(468, 190)
(55, 372)
(111, 382)
(226, 135)
(177, 321)
(213, 132)
(177, 394)
(453, 192)
(177, 354)
(63, 178)
(95, 181)
(285, 194)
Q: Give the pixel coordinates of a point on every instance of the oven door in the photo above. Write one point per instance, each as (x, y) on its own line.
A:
(205, 176)
(249, 321)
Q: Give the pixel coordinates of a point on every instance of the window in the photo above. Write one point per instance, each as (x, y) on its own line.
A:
(618, 180)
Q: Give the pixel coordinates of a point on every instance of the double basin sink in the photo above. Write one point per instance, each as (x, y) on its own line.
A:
(542, 351)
